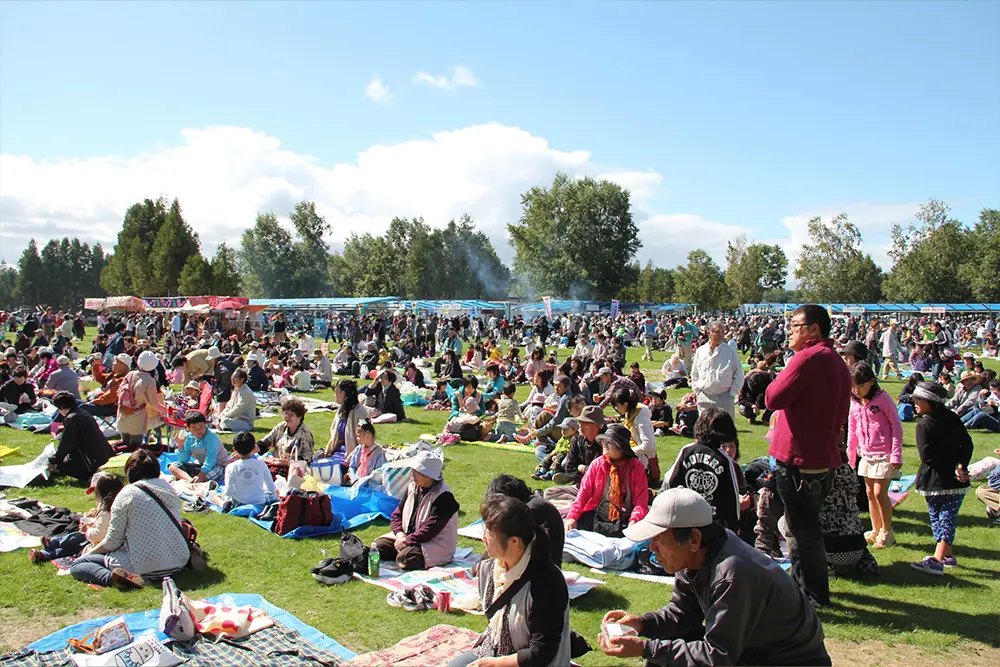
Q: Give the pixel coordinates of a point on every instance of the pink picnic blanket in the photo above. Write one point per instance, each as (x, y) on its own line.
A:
(436, 646)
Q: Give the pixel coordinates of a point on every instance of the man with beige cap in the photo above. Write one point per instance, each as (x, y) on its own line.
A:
(731, 604)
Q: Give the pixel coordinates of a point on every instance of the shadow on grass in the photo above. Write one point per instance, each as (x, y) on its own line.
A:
(599, 599)
(897, 617)
(189, 580)
(902, 573)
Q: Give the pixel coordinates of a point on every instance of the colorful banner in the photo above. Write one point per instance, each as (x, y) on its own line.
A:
(165, 301)
(547, 300)
(614, 309)
(93, 304)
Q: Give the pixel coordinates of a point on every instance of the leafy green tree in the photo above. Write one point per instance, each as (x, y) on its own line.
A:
(8, 281)
(225, 272)
(309, 272)
(982, 270)
(752, 268)
(196, 277)
(129, 270)
(782, 296)
(175, 243)
(832, 268)
(266, 259)
(929, 255)
(30, 276)
(700, 282)
(574, 237)
(651, 284)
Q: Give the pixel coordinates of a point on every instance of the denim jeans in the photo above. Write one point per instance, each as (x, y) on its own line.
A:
(803, 496)
(92, 569)
(69, 544)
(979, 419)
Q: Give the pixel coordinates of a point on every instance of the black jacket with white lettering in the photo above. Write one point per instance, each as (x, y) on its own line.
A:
(709, 472)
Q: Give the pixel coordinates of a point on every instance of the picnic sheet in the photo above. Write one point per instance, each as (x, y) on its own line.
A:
(900, 488)
(116, 462)
(290, 638)
(473, 531)
(352, 506)
(20, 476)
(435, 646)
(457, 578)
(5, 451)
(13, 538)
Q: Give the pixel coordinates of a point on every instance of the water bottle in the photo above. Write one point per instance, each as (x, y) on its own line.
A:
(373, 561)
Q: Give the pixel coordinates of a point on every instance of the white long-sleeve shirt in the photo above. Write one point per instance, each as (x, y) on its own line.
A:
(716, 371)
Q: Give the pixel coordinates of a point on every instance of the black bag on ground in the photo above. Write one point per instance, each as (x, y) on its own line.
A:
(354, 552)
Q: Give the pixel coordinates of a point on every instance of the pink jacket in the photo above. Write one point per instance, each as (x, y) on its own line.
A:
(875, 429)
(592, 489)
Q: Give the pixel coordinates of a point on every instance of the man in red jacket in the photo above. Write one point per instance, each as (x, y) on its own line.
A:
(811, 398)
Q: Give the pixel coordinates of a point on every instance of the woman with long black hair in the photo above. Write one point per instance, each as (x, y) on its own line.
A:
(344, 428)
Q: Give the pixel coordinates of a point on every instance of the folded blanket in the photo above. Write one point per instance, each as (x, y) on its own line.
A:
(596, 550)
(435, 646)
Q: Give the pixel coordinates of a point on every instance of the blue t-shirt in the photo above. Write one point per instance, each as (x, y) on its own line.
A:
(211, 448)
(650, 325)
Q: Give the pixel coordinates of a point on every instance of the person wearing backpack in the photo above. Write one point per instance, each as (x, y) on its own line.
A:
(139, 402)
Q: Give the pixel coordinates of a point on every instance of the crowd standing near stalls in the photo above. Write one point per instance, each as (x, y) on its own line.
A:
(713, 522)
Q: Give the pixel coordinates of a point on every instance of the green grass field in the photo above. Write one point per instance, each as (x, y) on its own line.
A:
(901, 606)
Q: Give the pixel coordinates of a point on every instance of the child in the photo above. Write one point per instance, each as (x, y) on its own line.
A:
(875, 441)
(93, 525)
(663, 417)
(945, 450)
(248, 480)
(440, 400)
(687, 415)
(552, 463)
(300, 379)
(635, 375)
(367, 456)
(508, 412)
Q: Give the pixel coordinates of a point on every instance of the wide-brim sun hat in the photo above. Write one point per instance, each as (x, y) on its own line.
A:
(147, 362)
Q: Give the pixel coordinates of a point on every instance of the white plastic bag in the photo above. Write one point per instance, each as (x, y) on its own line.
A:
(147, 651)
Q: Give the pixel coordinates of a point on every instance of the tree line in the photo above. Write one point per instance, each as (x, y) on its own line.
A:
(574, 239)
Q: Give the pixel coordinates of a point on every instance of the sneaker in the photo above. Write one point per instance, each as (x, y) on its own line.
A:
(885, 539)
(950, 561)
(929, 565)
(46, 540)
(323, 563)
(561, 478)
(126, 580)
(36, 556)
(537, 475)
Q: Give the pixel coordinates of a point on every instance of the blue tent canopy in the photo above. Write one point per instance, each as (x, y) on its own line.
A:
(324, 303)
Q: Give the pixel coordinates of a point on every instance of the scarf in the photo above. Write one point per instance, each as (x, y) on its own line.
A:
(616, 489)
(630, 425)
(365, 460)
(502, 578)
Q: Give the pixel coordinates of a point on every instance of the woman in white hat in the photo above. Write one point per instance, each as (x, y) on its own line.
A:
(198, 363)
(139, 403)
(425, 525)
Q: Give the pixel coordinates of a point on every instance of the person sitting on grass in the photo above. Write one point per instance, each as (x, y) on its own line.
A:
(93, 525)
(523, 593)
(248, 480)
(552, 463)
(83, 449)
(425, 524)
(439, 400)
(614, 492)
(508, 412)
(240, 412)
(366, 457)
(660, 412)
(17, 391)
(322, 374)
(731, 604)
(142, 542)
(201, 444)
(300, 380)
(388, 408)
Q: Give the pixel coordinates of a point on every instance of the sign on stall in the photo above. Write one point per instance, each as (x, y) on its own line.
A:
(933, 310)
(854, 310)
(614, 309)
(592, 308)
(547, 300)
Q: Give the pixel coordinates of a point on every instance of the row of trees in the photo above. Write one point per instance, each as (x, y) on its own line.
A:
(575, 238)
(61, 275)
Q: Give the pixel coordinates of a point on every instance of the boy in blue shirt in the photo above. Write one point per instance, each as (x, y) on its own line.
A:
(201, 456)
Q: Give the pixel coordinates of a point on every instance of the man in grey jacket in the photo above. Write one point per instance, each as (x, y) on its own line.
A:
(731, 604)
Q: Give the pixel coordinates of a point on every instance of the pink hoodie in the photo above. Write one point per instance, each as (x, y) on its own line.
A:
(592, 489)
(875, 429)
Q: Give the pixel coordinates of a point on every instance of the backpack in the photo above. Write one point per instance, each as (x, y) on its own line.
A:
(302, 509)
(354, 552)
(126, 394)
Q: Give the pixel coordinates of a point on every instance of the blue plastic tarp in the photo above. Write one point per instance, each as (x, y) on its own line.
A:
(352, 507)
(147, 621)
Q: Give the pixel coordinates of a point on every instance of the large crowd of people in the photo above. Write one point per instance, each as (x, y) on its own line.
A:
(592, 420)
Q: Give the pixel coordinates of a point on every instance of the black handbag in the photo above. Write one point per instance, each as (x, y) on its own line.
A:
(603, 524)
(354, 552)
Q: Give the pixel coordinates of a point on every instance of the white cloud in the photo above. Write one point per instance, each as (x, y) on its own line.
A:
(378, 92)
(224, 176)
(461, 76)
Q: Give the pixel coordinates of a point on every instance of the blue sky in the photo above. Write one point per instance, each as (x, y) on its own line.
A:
(744, 116)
